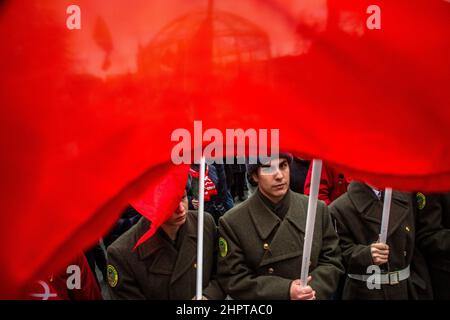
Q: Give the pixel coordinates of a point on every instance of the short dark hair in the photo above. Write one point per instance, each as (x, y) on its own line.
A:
(253, 168)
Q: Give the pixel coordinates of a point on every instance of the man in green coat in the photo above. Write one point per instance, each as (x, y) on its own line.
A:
(433, 238)
(375, 270)
(164, 267)
(261, 242)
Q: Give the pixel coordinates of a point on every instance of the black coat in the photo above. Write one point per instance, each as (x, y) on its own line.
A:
(358, 222)
(433, 239)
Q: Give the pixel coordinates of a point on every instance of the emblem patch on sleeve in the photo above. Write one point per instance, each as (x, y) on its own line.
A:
(113, 276)
(421, 200)
(223, 247)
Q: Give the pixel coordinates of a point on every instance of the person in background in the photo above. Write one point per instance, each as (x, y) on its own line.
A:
(96, 257)
(298, 171)
(217, 198)
(128, 219)
(165, 266)
(433, 239)
(237, 185)
(333, 183)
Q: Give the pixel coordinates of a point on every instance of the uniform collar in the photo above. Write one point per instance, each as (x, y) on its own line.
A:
(371, 208)
(363, 196)
(265, 220)
(158, 241)
(281, 208)
(151, 245)
(378, 193)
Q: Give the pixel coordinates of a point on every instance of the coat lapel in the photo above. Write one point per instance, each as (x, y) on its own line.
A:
(187, 253)
(401, 207)
(297, 213)
(262, 217)
(365, 202)
(159, 248)
(152, 245)
(371, 208)
(287, 242)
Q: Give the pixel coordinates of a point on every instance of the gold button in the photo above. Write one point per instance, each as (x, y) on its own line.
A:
(266, 246)
(270, 270)
(195, 266)
(407, 229)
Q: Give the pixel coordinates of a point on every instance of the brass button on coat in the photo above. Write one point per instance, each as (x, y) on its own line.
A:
(270, 270)
(266, 246)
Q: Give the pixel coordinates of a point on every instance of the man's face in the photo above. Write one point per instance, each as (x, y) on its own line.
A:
(178, 218)
(273, 179)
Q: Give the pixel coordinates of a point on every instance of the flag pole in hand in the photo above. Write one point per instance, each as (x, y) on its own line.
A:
(310, 219)
(386, 213)
(201, 206)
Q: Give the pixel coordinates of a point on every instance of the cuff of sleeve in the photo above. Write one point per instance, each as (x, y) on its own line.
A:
(214, 292)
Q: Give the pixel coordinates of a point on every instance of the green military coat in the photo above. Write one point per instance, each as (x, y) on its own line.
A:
(358, 215)
(260, 255)
(156, 270)
(433, 238)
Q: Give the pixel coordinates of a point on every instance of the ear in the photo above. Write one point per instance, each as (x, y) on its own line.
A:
(255, 176)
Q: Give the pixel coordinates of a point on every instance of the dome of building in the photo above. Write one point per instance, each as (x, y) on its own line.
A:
(206, 44)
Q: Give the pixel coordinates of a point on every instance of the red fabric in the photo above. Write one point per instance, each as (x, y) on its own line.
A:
(333, 183)
(158, 203)
(86, 115)
(57, 285)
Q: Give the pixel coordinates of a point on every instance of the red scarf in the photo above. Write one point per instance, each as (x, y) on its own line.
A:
(210, 187)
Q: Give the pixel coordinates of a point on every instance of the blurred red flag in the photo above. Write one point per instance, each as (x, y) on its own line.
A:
(103, 39)
(86, 128)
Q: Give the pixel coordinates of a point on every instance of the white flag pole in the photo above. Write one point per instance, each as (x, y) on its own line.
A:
(310, 219)
(386, 213)
(201, 205)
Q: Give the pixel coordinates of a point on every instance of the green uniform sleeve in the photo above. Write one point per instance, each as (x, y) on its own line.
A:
(214, 291)
(356, 257)
(325, 277)
(121, 282)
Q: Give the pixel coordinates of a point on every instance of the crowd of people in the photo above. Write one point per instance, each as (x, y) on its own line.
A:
(254, 227)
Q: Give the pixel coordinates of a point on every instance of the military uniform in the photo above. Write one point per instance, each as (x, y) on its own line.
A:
(358, 216)
(160, 269)
(261, 254)
(433, 238)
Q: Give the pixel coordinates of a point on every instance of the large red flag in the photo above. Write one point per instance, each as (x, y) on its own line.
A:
(87, 115)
